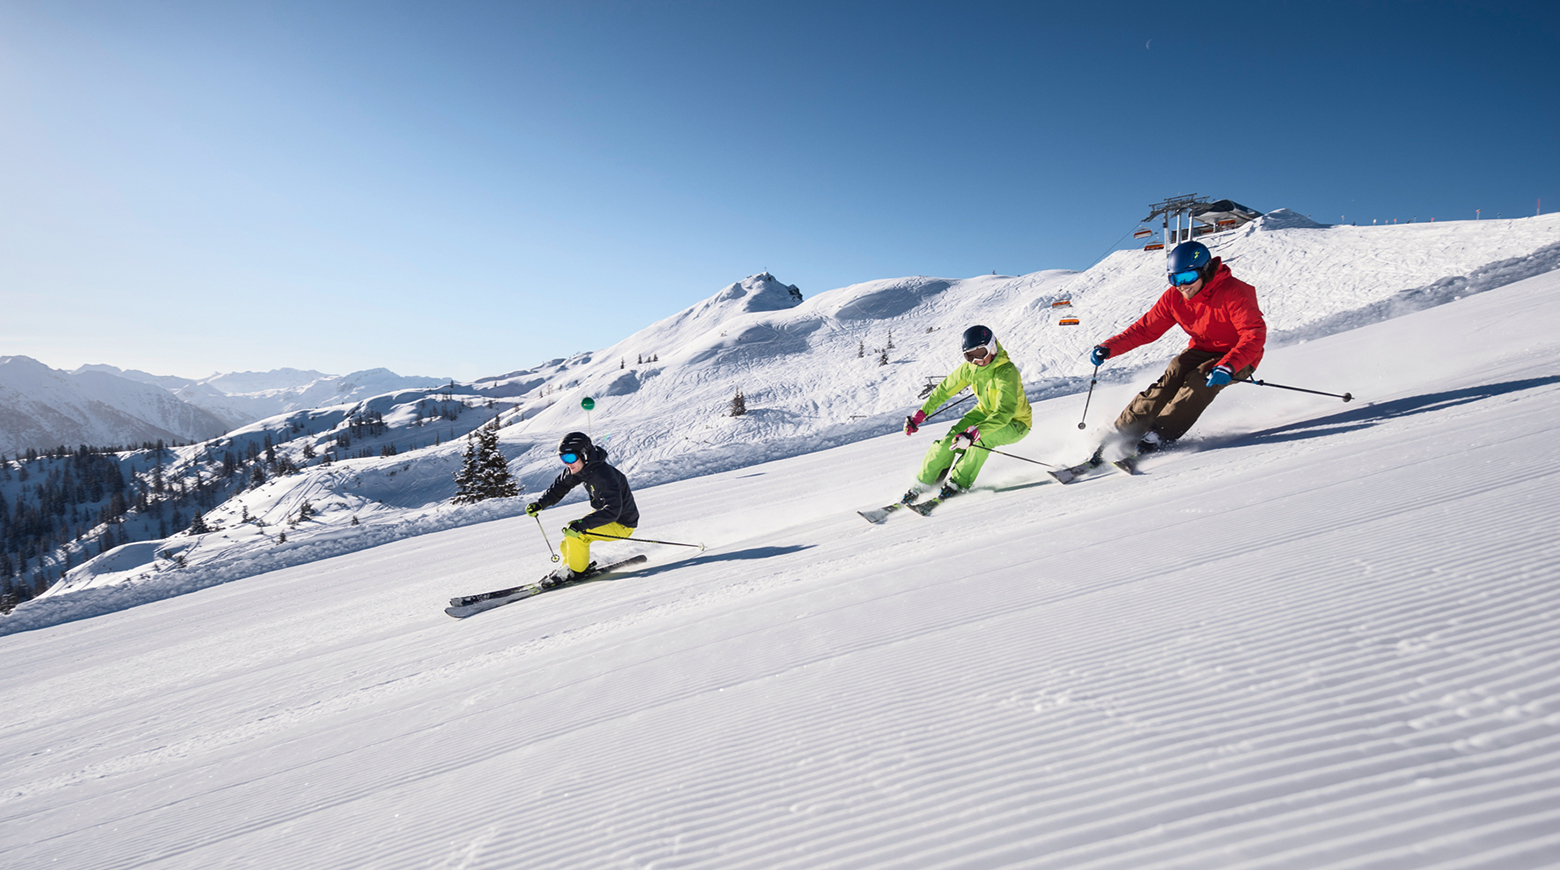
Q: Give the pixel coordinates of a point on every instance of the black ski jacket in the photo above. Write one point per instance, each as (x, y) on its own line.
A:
(609, 493)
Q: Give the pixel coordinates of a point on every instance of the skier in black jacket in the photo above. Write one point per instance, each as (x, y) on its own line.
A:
(615, 514)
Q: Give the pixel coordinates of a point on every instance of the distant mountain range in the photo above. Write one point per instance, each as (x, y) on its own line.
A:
(105, 406)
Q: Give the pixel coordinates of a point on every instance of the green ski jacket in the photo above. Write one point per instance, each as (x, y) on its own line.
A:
(999, 394)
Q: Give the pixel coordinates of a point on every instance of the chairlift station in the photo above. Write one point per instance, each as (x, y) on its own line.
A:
(1194, 216)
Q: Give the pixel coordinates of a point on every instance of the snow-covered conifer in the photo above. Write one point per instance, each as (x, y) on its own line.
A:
(484, 472)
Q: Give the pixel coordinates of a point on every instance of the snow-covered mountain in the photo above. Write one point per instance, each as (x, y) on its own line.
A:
(1320, 636)
(167, 382)
(44, 408)
(247, 397)
(101, 405)
(637, 357)
(813, 374)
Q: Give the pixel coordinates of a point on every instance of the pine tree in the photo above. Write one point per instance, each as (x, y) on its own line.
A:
(738, 404)
(484, 473)
(198, 525)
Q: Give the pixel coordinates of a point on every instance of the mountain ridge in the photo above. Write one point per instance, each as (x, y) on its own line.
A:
(102, 405)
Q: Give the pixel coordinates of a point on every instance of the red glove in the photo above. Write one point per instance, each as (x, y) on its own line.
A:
(966, 439)
(913, 423)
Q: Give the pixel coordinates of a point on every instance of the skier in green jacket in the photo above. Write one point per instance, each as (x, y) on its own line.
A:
(1001, 416)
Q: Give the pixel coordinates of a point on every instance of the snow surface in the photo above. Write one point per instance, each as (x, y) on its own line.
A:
(1324, 635)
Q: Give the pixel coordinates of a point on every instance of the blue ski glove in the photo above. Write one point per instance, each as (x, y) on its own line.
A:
(533, 509)
(1099, 355)
(966, 439)
(1219, 376)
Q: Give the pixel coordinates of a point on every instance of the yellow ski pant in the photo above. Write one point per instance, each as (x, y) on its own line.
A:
(576, 550)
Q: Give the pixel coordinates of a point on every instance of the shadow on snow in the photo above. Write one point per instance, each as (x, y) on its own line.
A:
(708, 557)
(1370, 415)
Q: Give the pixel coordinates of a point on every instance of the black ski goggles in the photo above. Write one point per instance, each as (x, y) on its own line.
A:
(569, 458)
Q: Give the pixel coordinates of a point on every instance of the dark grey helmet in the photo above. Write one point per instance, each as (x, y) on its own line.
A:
(977, 336)
(574, 442)
(980, 345)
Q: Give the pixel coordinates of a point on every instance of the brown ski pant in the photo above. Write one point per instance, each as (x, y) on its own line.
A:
(1173, 403)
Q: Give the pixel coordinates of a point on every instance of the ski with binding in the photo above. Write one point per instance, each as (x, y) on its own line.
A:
(1078, 472)
(877, 516)
(467, 605)
(925, 508)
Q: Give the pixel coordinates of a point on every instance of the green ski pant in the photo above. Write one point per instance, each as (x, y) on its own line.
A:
(942, 455)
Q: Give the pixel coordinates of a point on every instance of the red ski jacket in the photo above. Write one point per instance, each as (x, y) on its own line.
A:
(1222, 318)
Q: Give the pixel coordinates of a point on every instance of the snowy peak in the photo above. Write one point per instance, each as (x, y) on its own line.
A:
(45, 407)
(239, 383)
(245, 397)
(753, 295)
(605, 372)
(760, 292)
(167, 382)
(1285, 219)
(101, 405)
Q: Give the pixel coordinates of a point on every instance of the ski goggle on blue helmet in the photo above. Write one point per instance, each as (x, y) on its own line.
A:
(1187, 262)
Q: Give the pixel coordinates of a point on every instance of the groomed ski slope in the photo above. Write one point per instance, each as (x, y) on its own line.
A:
(1326, 635)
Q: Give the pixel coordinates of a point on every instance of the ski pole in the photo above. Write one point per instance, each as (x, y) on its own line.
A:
(642, 540)
(1093, 379)
(1347, 397)
(954, 405)
(1012, 456)
(543, 530)
(908, 418)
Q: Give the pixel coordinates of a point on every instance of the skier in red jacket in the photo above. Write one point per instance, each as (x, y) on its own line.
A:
(1220, 313)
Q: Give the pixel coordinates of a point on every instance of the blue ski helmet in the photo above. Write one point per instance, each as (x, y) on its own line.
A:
(1188, 257)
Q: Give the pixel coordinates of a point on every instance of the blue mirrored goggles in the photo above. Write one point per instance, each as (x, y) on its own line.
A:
(1181, 279)
(569, 458)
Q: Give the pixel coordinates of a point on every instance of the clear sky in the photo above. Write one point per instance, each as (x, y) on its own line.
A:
(463, 189)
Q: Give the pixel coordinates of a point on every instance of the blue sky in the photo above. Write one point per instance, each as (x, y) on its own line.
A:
(464, 189)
